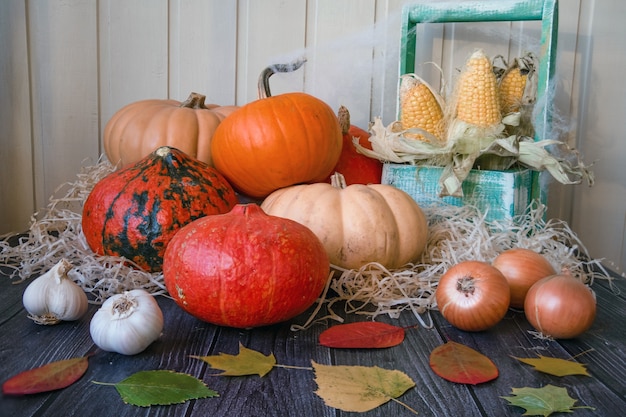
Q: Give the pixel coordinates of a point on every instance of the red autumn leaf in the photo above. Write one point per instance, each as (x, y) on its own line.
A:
(458, 363)
(367, 334)
(55, 375)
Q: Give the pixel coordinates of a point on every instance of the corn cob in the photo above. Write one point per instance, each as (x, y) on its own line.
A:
(516, 84)
(512, 87)
(420, 107)
(477, 100)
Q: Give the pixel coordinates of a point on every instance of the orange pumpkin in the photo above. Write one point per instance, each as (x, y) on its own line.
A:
(278, 141)
(139, 128)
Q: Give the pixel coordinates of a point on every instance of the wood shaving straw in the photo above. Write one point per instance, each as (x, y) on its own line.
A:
(455, 234)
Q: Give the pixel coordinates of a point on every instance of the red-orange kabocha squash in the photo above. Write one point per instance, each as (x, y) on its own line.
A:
(245, 268)
(277, 141)
(139, 128)
(134, 211)
(355, 167)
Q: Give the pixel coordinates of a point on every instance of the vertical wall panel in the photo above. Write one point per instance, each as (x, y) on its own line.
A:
(269, 32)
(63, 66)
(203, 50)
(340, 39)
(16, 175)
(386, 59)
(599, 212)
(133, 45)
(564, 122)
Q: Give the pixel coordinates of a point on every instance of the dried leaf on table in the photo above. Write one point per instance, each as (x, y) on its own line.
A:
(459, 363)
(543, 401)
(247, 362)
(160, 387)
(53, 376)
(555, 366)
(360, 388)
(367, 334)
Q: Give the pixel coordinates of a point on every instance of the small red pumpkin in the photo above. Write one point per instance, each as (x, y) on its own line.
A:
(134, 212)
(245, 268)
(277, 141)
(355, 167)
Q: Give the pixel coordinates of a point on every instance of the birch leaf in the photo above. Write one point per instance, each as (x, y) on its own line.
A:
(247, 362)
(160, 387)
(543, 401)
(52, 376)
(459, 363)
(555, 366)
(367, 334)
(359, 388)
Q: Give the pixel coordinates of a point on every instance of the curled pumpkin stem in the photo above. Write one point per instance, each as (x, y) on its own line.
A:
(264, 77)
(194, 101)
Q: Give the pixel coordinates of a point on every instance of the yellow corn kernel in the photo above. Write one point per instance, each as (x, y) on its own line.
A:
(419, 108)
(512, 86)
(477, 98)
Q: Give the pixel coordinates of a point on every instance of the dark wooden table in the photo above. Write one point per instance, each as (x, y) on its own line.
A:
(291, 392)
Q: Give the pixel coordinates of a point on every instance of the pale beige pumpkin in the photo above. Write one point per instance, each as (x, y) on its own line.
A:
(357, 224)
(139, 128)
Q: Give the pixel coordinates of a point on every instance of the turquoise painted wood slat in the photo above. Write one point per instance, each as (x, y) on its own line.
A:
(489, 11)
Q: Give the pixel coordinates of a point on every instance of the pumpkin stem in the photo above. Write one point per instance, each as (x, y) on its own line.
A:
(344, 119)
(194, 101)
(337, 180)
(264, 78)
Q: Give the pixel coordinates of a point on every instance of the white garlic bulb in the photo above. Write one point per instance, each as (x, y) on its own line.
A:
(54, 297)
(127, 323)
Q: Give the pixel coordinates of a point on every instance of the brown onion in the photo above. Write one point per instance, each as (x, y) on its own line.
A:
(560, 306)
(473, 295)
(522, 268)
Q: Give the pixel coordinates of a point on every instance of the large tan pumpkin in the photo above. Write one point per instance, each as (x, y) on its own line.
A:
(358, 223)
(139, 128)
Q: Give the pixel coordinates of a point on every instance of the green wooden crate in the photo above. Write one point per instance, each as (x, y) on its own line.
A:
(546, 11)
(500, 195)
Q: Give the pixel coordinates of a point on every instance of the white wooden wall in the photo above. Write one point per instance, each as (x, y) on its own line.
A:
(67, 65)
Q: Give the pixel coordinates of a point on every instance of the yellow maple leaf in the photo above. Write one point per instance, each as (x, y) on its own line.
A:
(247, 362)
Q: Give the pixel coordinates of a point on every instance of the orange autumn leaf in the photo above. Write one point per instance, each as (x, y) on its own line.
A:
(458, 363)
(368, 334)
(53, 376)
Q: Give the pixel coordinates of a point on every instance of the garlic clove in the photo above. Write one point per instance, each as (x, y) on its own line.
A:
(54, 297)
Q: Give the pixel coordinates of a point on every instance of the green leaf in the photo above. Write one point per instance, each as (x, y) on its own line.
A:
(543, 401)
(247, 362)
(461, 364)
(555, 366)
(160, 387)
(359, 388)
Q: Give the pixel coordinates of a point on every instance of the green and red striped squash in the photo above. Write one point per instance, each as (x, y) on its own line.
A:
(134, 212)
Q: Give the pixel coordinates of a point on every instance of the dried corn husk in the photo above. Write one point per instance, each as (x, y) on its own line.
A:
(391, 145)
